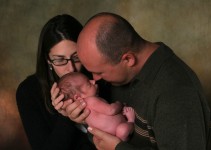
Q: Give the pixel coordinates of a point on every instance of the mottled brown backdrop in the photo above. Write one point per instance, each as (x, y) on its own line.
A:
(183, 25)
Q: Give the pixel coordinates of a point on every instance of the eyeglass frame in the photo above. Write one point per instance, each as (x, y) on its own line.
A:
(70, 59)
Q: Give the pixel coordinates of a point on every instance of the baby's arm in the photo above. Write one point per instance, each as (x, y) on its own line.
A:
(100, 105)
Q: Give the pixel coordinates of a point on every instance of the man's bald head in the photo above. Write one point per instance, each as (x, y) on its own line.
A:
(112, 35)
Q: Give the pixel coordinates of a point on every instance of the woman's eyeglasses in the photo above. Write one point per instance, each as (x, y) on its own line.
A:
(62, 61)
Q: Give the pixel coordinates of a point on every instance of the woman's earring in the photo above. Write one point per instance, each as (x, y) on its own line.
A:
(50, 67)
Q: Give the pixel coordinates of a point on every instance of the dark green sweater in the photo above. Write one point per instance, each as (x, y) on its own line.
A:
(171, 110)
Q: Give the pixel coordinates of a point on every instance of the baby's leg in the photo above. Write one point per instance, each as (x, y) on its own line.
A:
(129, 113)
(124, 130)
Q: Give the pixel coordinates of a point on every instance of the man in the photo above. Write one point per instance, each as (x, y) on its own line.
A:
(171, 110)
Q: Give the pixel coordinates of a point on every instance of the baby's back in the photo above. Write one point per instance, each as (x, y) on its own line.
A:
(100, 118)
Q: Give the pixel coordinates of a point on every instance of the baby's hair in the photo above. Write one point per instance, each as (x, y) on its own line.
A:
(69, 84)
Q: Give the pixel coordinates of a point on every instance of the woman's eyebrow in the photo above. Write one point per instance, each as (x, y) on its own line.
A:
(75, 53)
(58, 55)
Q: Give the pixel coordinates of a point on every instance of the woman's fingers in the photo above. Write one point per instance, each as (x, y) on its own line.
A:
(54, 92)
(76, 111)
(81, 118)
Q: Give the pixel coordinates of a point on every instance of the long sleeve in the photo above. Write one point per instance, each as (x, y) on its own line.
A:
(180, 120)
(45, 130)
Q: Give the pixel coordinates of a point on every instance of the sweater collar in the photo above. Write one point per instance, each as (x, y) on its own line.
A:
(153, 64)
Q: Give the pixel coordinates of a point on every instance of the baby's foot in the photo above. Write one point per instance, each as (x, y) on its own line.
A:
(129, 113)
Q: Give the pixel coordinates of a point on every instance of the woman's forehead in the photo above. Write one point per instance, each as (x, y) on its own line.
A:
(63, 48)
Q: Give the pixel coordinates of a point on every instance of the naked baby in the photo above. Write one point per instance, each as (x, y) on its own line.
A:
(113, 118)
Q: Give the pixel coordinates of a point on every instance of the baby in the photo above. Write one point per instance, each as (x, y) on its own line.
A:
(112, 118)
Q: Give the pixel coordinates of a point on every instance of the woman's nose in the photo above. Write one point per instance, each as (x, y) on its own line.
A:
(70, 67)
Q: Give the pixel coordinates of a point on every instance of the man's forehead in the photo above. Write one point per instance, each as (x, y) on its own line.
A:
(94, 66)
(89, 32)
(90, 54)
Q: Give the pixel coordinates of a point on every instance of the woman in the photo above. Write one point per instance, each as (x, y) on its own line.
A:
(45, 127)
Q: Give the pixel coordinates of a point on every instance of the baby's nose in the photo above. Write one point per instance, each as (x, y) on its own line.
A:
(93, 81)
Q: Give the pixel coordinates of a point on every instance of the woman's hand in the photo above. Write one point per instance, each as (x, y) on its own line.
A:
(77, 111)
(57, 100)
(103, 140)
(74, 110)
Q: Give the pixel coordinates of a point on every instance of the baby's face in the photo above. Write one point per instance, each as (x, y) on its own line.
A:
(89, 88)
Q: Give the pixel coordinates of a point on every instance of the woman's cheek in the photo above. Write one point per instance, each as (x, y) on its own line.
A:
(60, 71)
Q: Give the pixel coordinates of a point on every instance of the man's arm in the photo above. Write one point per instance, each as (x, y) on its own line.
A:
(103, 140)
(180, 120)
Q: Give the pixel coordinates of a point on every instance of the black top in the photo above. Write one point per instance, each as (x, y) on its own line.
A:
(46, 131)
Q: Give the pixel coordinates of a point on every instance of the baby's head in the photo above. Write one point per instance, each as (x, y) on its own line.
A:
(76, 85)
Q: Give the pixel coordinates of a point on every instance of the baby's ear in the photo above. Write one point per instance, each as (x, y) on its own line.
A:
(76, 97)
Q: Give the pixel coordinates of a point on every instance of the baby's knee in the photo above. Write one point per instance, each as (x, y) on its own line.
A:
(124, 130)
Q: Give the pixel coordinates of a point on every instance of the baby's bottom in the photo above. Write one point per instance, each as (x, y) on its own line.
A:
(124, 130)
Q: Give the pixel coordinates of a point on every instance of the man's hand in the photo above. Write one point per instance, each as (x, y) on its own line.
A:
(103, 140)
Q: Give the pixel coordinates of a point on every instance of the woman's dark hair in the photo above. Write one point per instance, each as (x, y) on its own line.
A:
(58, 28)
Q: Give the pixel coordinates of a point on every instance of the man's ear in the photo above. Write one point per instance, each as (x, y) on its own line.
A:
(129, 59)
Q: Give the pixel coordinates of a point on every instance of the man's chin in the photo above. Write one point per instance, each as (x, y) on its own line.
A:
(119, 83)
